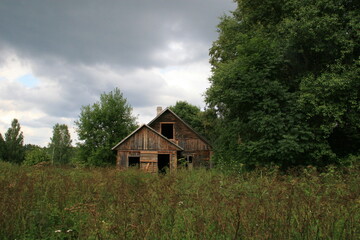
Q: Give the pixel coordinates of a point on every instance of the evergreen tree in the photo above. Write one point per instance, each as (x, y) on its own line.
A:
(14, 144)
(60, 144)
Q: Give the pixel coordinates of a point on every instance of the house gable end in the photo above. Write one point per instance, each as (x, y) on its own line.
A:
(183, 130)
(146, 138)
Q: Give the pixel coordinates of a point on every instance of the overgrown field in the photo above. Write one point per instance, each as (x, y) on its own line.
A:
(68, 203)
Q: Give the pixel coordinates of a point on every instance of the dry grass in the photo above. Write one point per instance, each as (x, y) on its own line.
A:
(65, 203)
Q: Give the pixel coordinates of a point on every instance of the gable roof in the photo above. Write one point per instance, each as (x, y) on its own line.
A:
(151, 129)
(187, 125)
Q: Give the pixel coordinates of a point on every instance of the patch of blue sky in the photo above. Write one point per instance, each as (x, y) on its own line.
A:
(28, 80)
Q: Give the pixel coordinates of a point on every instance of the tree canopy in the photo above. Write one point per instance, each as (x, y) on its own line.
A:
(102, 125)
(60, 144)
(191, 114)
(14, 144)
(285, 82)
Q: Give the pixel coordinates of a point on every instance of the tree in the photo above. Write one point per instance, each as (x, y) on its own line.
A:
(14, 143)
(203, 122)
(102, 125)
(285, 82)
(189, 113)
(2, 147)
(60, 145)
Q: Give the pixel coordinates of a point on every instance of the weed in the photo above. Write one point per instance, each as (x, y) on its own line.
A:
(104, 203)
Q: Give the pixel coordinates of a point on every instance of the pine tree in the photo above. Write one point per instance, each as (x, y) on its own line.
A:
(14, 144)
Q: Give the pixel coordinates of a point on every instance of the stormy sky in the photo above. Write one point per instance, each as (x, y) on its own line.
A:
(56, 56)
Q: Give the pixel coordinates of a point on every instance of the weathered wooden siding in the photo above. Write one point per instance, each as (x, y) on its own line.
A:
(145, 139)
(147, 145)
(186, 138)
(148, 159)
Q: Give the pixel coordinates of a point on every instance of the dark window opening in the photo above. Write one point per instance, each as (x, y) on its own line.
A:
(163, 162)
(134, 162)
(167, 130)
(190, 159)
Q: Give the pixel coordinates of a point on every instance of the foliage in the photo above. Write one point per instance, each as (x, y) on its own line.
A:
(99, 203)
(191, 114)
(36, 155)
(285, 82)
(203, 122)
(2, 147)
(60, 145)
(101, 126)
(14, 144)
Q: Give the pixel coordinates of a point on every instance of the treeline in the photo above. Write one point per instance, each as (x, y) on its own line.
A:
(100, 126)
(59, 150)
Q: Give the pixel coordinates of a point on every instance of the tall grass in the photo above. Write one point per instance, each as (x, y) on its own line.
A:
(65, 203)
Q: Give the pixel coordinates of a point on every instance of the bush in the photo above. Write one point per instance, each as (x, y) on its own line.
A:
(35, 156)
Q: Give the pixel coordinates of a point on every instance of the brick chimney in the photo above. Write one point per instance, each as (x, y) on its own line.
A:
(158, 110)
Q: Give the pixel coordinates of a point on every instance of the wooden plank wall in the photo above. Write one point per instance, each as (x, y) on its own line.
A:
(193, 145)
(148, 159)
(148, 162)
(145, 139)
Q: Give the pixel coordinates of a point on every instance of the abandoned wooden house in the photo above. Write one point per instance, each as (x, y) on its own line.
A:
(164, 143)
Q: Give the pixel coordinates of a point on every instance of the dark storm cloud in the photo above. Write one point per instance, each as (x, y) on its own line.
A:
(123, 33)
(78, 49)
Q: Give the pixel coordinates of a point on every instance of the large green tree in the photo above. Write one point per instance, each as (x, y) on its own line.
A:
(285, 82)
(102, 125)
(60, 144)
(14, 143)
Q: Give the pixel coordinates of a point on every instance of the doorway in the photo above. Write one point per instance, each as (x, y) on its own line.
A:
(163, 162)
(134, 162)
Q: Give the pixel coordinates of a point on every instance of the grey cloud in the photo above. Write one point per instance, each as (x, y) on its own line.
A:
(124, 33)
(80, 49)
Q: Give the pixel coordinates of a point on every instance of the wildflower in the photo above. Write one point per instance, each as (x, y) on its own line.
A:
(180, 203)
(58, 231)
(69, 230)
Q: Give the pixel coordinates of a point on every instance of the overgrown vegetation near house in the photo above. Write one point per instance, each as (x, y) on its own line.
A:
(103, 203)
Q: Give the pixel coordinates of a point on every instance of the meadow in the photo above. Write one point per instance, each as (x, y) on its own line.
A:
(104, 203)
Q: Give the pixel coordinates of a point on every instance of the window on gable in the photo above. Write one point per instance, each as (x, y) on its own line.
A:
(167, 130)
